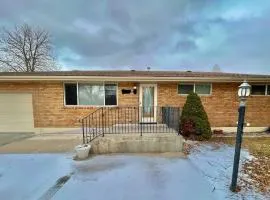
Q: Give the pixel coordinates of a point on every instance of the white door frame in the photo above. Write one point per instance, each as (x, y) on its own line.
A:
(148, 119)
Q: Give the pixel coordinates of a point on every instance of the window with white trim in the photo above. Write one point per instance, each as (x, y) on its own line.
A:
(71, 94)
(260, 89)
(93, 94)
(185, 88)
(199, 88)
(203, 88)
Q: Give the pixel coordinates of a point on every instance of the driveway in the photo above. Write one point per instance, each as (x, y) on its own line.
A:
(7, 138)
(204, 174)
(38, 176)
(42, 143)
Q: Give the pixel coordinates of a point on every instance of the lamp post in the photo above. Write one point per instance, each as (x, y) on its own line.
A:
(243, 93)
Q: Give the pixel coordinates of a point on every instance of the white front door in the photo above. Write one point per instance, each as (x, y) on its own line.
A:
(148, 103)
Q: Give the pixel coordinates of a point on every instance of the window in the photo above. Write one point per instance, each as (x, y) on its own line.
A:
(185, 88)
(203, 88)
(268, 89)
(200, 88)
(94, 94)
(258, 89)
(91, 94)
(71, 94)
(110, 94)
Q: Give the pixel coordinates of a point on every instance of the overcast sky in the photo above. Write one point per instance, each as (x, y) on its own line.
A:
(163, 34)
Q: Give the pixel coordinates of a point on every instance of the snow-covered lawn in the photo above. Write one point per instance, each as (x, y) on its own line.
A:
(215, 162)
(205, 175)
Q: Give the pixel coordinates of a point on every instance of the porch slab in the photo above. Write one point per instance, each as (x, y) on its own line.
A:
(134, 143)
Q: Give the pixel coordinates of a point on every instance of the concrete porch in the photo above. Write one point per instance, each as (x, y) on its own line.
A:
(134, 143)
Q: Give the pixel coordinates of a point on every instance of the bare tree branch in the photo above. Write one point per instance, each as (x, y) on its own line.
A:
(26, 49)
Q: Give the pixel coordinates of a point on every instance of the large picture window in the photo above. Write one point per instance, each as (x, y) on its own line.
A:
(94, 94)
(199, 88)
(91, 94)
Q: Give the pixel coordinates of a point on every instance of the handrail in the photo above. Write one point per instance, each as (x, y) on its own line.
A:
(80, 120)
(130, 119)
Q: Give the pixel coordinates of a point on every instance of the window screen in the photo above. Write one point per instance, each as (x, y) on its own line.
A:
(185, 89)
(258, 89)
(203, 88)
(71, 94)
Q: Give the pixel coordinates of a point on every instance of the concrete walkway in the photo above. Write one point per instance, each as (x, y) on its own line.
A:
(43, 143)
(52, 176)
(7, 138)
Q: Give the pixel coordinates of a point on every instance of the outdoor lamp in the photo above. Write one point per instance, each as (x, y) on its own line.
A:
(243, 93)
(134, 90)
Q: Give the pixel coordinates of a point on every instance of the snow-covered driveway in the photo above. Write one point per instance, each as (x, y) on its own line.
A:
(102, 177)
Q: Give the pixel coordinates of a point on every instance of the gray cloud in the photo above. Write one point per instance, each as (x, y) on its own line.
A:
(163, 34)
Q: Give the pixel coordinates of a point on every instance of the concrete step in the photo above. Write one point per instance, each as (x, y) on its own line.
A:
(138, 128)
(154, 125)
(135, 128)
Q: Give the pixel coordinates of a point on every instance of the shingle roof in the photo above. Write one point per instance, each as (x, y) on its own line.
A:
(134, 73)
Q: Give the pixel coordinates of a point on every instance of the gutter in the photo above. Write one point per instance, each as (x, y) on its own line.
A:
(133, 79)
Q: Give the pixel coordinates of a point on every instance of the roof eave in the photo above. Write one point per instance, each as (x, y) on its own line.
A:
(133, 79)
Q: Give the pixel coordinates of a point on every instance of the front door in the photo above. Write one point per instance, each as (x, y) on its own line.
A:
(148, 103)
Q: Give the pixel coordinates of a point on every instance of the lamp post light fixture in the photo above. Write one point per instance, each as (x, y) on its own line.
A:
(243, 93)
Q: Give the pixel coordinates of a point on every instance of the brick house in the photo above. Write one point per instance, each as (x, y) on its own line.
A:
(43, 101)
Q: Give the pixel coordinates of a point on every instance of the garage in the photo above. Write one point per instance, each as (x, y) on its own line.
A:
(16, 112)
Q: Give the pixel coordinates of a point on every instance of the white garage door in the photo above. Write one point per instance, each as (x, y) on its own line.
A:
(16, 112)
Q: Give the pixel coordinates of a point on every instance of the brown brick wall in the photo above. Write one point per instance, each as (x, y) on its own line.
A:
(221, 106)
(128, 99)
(48, 102)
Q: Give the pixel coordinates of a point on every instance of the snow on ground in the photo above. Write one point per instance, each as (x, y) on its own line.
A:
(28, 176)
(215, 162)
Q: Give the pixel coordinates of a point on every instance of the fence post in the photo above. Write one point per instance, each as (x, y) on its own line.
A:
(178, 121)
(140, 122)
(102, 122)
(83, 132)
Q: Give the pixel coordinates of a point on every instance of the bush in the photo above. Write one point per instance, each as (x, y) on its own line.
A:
(194, 120)
(188, 128)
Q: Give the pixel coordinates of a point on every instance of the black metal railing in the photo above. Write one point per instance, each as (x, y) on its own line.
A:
(130, 119)
(91, 125)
